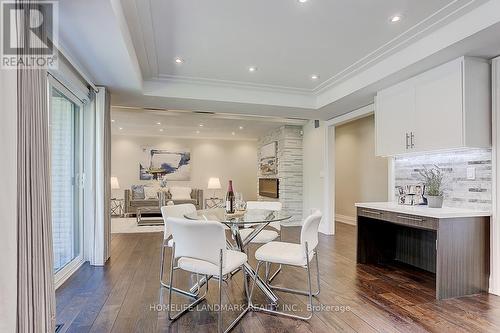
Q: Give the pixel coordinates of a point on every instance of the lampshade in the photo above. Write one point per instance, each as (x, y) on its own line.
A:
(114, 183)
(213, 183)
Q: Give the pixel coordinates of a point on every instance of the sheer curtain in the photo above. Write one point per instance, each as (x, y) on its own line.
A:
(97, 178)
(35, 288)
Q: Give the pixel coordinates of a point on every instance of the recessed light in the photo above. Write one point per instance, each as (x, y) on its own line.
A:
(197, 132)
(241, 127)
(158, 123)
(302, 1)
(252, 69)
(112, 120)
(178, 60)
(314, 76)
(395, 18)
(233, 133)
(161, 129)
(201, 125)
(120, 128)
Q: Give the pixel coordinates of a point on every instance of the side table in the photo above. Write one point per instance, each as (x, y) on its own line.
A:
(214, 203)
(116, 207)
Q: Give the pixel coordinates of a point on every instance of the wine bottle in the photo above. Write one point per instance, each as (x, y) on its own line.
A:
(230, 199)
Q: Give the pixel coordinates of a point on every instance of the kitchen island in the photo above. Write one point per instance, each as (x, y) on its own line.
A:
(452, 243)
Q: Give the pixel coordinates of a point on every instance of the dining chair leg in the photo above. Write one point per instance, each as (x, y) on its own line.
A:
(247, 308)
(191, 305)
(162, 263)
(309, 283)
(254, 281)
(274, 274)
(309, 293)
(266, 310)
(167, 285)
(298, 291)
(172, 259)
(317, 274)
(219, 317)
(267, 271)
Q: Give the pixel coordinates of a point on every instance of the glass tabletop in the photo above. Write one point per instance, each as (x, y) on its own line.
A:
(244, 217)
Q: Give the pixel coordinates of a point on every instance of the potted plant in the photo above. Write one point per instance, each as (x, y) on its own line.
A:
(433, 180)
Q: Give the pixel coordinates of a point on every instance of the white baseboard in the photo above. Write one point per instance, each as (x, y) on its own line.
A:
(345, 219)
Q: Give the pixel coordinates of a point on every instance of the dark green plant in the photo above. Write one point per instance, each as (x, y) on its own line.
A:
(433, 180)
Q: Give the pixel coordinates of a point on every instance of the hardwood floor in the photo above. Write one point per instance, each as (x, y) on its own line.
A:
(124, 296)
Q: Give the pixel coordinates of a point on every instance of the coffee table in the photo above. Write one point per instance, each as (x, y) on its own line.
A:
(149, 216)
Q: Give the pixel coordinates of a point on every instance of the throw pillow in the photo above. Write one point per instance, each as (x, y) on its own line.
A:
(150, 193)
(180, 193)
(137, 192)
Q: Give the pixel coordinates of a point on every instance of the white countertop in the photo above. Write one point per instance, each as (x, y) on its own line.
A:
(439, 213)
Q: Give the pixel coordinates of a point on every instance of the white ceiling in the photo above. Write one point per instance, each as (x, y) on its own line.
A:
(287, 40)
(186, 124)
(130, 47)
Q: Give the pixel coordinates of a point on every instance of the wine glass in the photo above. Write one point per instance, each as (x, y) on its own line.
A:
(240, 203)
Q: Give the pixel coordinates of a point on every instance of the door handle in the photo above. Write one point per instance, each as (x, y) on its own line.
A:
(412, 136)
(410, 218)
(407, 138)
(371, 212)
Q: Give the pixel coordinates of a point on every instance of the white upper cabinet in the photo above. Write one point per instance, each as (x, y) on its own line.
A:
(439, 119)
(394, 121)
(444, 108)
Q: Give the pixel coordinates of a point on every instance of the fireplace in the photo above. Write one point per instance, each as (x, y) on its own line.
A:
(269, 187)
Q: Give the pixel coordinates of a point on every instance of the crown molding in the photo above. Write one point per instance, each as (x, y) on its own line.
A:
(397, 43)
(224, 91)
(229, 83)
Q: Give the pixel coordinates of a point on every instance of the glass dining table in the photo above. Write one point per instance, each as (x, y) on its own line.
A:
(258, 219)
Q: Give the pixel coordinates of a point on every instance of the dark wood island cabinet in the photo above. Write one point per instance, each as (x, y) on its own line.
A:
(449, 242)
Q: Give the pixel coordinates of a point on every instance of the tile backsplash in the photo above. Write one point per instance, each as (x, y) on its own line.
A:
(458, 190)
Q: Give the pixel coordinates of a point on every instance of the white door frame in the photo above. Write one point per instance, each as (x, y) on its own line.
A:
(64, 273)
(494, 285)
(329, 163)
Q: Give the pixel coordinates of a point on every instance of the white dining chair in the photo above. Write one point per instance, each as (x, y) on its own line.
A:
(265, 236)
(291, 254)
(200, 247)
(173, 211)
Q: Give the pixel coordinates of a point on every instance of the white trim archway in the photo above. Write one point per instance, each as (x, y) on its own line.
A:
(329, 163)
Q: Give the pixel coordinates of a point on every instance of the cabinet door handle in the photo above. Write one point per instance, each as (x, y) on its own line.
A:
(410, 218)
(371, 212)
(407, 138)
(412, 136)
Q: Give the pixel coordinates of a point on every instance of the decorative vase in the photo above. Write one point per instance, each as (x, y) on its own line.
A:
(434, 201)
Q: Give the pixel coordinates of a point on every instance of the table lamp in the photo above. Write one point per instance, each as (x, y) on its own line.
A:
(115, 185)
(213, 184)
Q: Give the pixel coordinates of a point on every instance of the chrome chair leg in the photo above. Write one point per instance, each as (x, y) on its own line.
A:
(270, 279)
(274, 274)
(162, 263)
(168, 286)
(317, 274)
(249, 304)
(298, 291)
(309, 294)
(191, 305)
(266, 276)
(219, 317)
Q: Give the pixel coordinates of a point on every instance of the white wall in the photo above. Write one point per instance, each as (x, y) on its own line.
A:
(226, 159)
(313, 174)
(8, 196)
(360, 176)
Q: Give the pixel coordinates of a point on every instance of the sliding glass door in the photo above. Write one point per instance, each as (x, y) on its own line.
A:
(66, 167)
